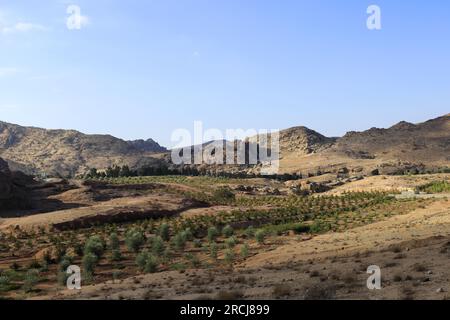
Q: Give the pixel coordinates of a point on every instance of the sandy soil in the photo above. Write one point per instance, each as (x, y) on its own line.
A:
(389, 183)
(126, 205)
(412, 250)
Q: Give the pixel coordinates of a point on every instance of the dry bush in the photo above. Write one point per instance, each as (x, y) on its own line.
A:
(281, 290)
(230, 295)
(397, 277)
(321, 292)
(419, 267)
(407, 293)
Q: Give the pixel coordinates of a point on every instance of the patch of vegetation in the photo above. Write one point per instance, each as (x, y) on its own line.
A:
(134, 239)
(435, 187)
(147, 262)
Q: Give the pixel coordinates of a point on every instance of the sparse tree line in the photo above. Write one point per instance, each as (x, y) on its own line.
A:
(116, 171)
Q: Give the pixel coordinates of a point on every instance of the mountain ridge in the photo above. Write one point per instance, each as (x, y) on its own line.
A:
(68, 152)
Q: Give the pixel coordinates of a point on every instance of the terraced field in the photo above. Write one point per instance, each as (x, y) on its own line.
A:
(137, 226)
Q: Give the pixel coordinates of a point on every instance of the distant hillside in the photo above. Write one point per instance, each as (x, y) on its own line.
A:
(68, 152)
(148, 145)
(403, 147)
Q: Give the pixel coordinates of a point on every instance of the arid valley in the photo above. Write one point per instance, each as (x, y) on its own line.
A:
(310, 232)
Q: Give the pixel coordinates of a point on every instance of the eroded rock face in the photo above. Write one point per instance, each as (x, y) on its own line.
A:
(13, 193)
(5, 181)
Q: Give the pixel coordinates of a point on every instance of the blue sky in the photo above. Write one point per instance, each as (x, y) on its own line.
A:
(140, 68)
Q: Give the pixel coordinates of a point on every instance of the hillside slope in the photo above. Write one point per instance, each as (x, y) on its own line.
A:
(404, 145)
(68, 152)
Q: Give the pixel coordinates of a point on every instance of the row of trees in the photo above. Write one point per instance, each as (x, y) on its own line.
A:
(145, 171)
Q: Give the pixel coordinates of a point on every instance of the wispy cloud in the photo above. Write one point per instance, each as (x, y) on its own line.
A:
(21, 27)
(8, 71)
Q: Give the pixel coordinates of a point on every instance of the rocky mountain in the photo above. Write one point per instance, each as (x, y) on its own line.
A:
(148, 145)
(404, 146)
(68, 152)
(303, 141)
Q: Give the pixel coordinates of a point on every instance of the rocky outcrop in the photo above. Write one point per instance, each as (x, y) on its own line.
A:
(148, 145)
(13, 193)
(68, 152)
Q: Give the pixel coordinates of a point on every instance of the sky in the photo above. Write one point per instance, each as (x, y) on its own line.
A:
(143, 68)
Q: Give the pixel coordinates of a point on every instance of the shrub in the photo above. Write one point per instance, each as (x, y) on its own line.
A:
(158, 246)
(197, 243)
(231, 242)
(188, 234)
(34, 265)
(89, 262)
(223, 195)
(95, 246)
(229, 256)
(134, 239)
(212, 234)
(179, 240)
(31, 279)
(114, 243)
(227, 231)
(281, 290)
(116, 255)
(250, 232)
(260, 236)
(436, 187)
(229, 295)
(147, 262)
(62, 277)
(213, 249)
(4, 281)
(66, 261)
(320, 227)
(164, 232)
(195, 261)
(245, 251)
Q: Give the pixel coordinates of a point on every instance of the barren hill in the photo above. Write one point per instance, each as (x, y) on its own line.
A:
(404, 145)
(303, 141)
(65, 152)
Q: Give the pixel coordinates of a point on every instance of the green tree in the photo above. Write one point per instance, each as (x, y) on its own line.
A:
(212, 234)
(134, 239)
(227, 231)
(164, 232)
(94, 245)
